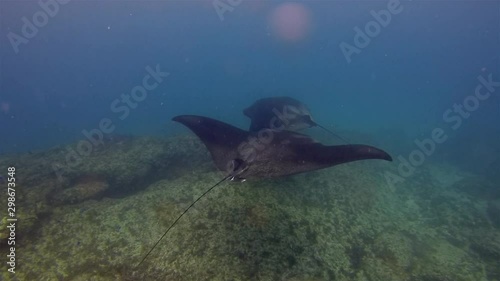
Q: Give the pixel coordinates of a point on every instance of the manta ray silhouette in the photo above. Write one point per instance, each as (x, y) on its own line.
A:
(284, 113)
(267, 154)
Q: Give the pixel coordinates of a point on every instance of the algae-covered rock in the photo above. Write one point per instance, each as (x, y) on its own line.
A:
(493, 212)
(487, 245)
(344, 223)
(4, 231)
(478, 186)
(126, 164)
(84, 188)
(395, 250)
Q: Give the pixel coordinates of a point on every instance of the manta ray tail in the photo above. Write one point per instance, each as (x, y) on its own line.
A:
(179, 217)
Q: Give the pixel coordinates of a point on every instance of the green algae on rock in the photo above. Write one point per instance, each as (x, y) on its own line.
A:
(335, 224)
(85, 188)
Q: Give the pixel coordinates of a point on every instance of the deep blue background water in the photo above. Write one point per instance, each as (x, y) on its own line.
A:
(428, 58)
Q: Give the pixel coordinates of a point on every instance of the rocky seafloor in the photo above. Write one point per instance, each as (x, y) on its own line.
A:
(100, 218)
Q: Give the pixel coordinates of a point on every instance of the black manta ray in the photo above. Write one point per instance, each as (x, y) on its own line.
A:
(268, 153)
(284, 113)
(271, 153)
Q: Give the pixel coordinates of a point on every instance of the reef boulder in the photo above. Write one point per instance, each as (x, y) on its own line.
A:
(88, 187)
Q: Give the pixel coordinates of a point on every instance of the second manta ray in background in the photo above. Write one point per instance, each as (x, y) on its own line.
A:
(282, 113)
(269, 153)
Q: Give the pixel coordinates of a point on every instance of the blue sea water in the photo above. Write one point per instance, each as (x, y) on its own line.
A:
(64, 79)
(418, 73)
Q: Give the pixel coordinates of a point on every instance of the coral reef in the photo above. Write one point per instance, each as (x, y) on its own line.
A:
(343, 223)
